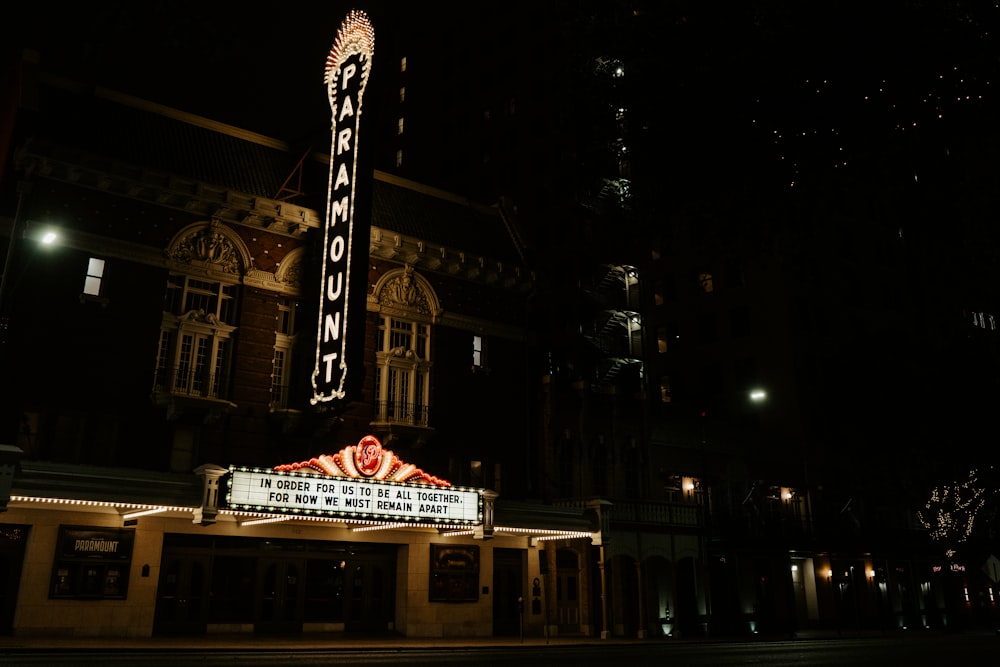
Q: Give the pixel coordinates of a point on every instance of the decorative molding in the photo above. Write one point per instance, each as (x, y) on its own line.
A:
(386, 244)
(168, 191)
(404, 292)
(290, 269)
(211, 246)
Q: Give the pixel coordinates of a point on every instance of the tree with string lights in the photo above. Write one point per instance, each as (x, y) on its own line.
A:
(949, 515)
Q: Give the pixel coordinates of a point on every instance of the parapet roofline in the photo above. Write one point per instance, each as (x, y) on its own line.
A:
(236, 132)
(190, 118)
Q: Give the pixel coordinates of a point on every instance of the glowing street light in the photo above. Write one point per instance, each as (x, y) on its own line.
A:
(758, 395)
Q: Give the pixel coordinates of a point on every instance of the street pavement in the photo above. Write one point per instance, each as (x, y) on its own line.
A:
(337, 641)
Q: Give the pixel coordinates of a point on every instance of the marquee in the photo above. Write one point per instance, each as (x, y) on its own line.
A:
(359, 482)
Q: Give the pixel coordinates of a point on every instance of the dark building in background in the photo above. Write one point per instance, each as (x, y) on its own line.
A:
(181, 296)
(757, 266)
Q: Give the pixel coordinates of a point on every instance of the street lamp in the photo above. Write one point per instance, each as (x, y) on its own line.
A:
(758, 395)
(46, 237)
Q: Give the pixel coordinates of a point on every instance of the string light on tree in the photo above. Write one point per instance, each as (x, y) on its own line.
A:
(951, 511)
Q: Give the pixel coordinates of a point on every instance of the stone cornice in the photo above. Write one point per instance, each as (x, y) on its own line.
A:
(390, 245)
(166, 190)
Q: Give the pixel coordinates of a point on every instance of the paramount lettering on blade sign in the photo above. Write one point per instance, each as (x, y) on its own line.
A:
(264, 490)
(347, 69)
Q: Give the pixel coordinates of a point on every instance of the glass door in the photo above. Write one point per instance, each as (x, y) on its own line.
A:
(280, 599)
(182, 595)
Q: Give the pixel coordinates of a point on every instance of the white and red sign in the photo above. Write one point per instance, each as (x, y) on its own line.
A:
(360, 481)
(347, 69)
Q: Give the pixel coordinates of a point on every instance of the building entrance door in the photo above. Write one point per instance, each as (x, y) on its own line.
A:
(279, 603)
(507, 588)
(369, 600)
(182, 595)
(13, 539)
(277, 586)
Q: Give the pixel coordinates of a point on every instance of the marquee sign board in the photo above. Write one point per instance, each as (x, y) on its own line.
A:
(363, 481)
(299, 493)
(347, 69)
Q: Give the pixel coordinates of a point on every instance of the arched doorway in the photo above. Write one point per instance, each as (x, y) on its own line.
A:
(624, 592)
(689, 621)
(658, 593)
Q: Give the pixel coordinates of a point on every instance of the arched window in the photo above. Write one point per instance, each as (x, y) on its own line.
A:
(406, 306)
(207, 261)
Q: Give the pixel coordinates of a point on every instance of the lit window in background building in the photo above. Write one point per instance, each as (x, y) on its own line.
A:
(705, 281)
(478, 352)
(95, 276)
(661, 340)
(665, 389)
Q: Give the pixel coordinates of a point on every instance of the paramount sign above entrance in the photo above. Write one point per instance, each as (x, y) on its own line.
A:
(347, 70)
(362, 482)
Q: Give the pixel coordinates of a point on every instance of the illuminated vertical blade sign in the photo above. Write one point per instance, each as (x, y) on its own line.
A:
(347, 69)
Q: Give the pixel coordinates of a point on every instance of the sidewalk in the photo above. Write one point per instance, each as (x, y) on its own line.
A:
(253, 642)
(341, 641)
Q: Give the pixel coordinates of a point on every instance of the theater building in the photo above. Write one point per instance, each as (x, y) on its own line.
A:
(215, 427)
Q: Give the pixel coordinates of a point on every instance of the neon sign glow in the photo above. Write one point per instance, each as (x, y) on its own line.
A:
(363, 481)
(347, 69)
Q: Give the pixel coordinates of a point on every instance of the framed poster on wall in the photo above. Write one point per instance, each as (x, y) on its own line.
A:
(454, 573)
(91, 563)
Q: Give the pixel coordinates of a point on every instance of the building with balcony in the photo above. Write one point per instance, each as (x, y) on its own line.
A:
(164, 347)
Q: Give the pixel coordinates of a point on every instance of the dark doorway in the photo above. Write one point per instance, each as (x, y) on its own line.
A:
(279, 600)
(13, 539)
(370, 602)
(508, 577)
(274, 586)
(568, 591)
(182, 595)
(688, 622)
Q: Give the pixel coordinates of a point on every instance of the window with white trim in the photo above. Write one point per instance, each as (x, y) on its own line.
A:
(195, 337)
(95, 276)
(402, 387)
(478, 353)
(284, 341)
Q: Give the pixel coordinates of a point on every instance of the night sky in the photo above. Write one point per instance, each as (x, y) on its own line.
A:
(821, 82)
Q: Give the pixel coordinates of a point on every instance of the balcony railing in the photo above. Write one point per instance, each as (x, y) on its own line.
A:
(398, 412)
(649, 513)
(186, 381)
(279, 397)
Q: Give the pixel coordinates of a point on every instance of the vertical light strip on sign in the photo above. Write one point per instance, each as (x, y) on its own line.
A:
(347, 69)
